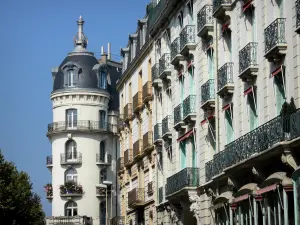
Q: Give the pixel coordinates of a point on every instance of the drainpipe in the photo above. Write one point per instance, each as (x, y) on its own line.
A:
(216, 88)
(117, 187)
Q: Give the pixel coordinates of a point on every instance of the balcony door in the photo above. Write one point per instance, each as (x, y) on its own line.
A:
(71, 151)
(102, 118)
(182, 145)
(71, 118)
(72, 175)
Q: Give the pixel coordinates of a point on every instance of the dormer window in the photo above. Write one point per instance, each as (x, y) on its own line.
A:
(102, 80)
(71, 71)
(71, 78)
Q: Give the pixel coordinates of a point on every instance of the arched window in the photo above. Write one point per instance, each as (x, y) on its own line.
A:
(102, 213)
(71, 150)
(71, 175)
(102, 80)
(71, 209)
(102, 151)
(103, 175)
(71, 118)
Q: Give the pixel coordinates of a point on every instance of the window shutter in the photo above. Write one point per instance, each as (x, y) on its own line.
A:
(194, 156)
(252, 112)
(279, 92)
(183, 154)
(228, 125)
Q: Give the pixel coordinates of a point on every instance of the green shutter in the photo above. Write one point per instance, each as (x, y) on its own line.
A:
(210, 61)
(228, 126)
(183, 154)
(279, 92)
(252, 112)
(194, 155)
(192, 82)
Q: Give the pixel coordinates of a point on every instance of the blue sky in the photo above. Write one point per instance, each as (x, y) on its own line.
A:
(35, 36)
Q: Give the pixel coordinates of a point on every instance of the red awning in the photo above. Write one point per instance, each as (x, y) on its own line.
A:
(207, 119)
(226, 106)
(249, 90)
(247, 5)
(266, 189)
(241, 198)
(277, 71)
(225, 27)
(186, 135)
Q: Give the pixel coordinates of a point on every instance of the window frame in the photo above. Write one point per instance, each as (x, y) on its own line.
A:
(71, 118)
(71, 175)
(72, 208)
(71, 150)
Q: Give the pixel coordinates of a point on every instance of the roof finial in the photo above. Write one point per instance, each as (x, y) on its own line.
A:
(80, 40)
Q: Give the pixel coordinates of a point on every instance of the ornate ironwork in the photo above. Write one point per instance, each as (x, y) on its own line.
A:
(188, 177)
(157, 131)
(225, 75)
(117, 220)
(297, 4)
(120, 164)
(137, 100)
(248, 56)
(175, 48)
(189, 105)
(100, 159)
(218, 3)
(160, 195)
(49, 160)
(137, 146)
(147, 139)
(79, 125)
(155, 71)
(156, 13)
(71, 158)
(127, 156)
(178, 114)
(208, 90)
(205, 17)
(275, 34)
(147, 90)
(187, 36)
(127, 111)
(166, 124)
(136, 197)
(164, 63)
(244, 147)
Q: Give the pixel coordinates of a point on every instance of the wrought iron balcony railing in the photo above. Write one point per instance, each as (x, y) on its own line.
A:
(225, 75)
(120, 164)
(189, 105)
(188, 177)
(136, 197)
(244, 147)
(49, 191)
(147, 91)
(137, 101)
(160, 195)
(49, 160)
(275, 34)
(205, 18)
(70, 188)
(155, 72)
(100, 191)
(128, 111)
(187, 36)
(166, 125)
(147, 140)
(178, 114)
(157, 132)
(208, 90)
(297, 4)
(248, 56)
(218, 3)
(175, 48)
(164, 63)
(71, 158)
(150, 188)
(100, 159)
(117, 220)
(79, 125)
(137, 147)
(127, 156)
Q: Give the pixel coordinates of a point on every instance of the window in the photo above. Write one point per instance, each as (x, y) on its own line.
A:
(279, 91)
(71, 209)
(102, 118)
(102, 213)
(210, 62)
(252, 110)
(194, 155)
(229, 125)
(71, 151)
(102, 151)
(192, 81)
(102, 80)
(71, 78)
(190, 12)
(71, 119)
(182, 146)
(71, 175)
(103, 175)
(180, 20)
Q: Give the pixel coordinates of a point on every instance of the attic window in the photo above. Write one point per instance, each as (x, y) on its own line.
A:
(71, 80)
(102, 80)
(71, 71)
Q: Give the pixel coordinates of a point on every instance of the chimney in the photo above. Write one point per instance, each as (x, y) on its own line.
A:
(108, 51)
(102, 50)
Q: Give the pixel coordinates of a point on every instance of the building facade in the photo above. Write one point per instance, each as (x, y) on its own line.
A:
(224, 112)
(84, 138)
(136, 165)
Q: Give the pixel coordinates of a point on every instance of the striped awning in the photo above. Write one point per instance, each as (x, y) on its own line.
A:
(186, 135)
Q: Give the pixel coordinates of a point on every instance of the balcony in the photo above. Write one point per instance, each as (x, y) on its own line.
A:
(275, 42)
(120, 164)
(164, 66)
(175, 52)
(252, 143)
(205, 21)
(187, 178)
(71, 158)
(49, 161)
(148, 141)
(100, 191)
(297, 4)
(103, 160)
(187, 39)
(208, 94)
(156, 81)
(58, 220)
(147, 92)
(167, 127)
(117, 220)
(225, 80)
(220, 7)
(128, 157)
(137, 149)
(136, 198)
(121, 122)
(78, 126)
(128, 112)
(49, 191)
(70, 189)
(189, 108)
(150, 189)
(248, 62)
(137, 102)
(160, 195)
(178, 117)
(157, 134)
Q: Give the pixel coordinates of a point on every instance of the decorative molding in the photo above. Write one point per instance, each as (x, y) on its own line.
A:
(288, 159)
(195, 207)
